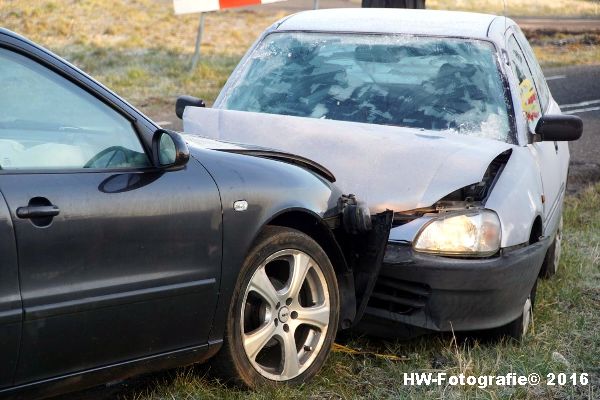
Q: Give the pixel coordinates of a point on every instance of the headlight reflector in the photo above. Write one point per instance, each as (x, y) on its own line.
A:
(472, 233)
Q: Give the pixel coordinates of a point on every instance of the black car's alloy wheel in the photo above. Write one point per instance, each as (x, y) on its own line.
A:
(284, 312)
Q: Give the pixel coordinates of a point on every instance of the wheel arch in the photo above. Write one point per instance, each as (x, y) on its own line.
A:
(316, 228)
(537, 230)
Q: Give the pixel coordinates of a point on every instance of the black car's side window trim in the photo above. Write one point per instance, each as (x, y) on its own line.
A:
(143, 126)
(70, 77)
(80, 80)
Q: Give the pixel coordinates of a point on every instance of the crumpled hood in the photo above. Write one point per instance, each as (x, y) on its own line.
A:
(201, 142)
(387, 167)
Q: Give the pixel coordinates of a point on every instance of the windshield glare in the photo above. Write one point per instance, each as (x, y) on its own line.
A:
(418, 82)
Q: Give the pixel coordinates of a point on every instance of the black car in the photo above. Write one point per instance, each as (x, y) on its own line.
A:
(126, 249)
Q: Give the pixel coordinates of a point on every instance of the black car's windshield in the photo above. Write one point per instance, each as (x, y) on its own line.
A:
(420, 82)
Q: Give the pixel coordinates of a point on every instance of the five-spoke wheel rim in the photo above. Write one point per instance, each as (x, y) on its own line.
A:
(285, 315)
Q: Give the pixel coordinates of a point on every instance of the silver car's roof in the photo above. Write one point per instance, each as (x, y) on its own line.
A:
(400, 21)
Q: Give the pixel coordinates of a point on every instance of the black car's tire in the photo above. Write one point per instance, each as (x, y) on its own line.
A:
(280, 329)
(519, 328)
(552, 259)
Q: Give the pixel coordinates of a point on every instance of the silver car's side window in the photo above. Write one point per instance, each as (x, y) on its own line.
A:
(528, 93)
(48, 122)
(538, 75)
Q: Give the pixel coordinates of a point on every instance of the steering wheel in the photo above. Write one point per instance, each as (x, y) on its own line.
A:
(112, 149)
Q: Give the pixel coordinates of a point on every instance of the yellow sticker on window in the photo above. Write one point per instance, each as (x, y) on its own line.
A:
(529, 100)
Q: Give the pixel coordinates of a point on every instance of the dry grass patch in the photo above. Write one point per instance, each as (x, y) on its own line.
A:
(556, 48)
(131, 25)
(140, 48)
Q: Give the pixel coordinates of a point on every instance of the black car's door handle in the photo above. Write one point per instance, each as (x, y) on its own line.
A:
(37, 211)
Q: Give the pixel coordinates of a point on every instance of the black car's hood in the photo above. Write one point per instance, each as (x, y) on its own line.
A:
(257, 151)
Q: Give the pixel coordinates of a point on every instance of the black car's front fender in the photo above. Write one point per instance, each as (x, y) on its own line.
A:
(271, 189)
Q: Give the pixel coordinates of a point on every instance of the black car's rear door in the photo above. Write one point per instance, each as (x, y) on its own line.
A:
(117, 259)
(10, 299)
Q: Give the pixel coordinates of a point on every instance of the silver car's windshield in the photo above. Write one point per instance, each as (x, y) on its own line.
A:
(420, 82)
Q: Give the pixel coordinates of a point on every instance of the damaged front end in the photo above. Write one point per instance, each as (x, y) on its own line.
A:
(362, 238)
(467, 201)
(469, 271)
(373, 243)
(443, 268)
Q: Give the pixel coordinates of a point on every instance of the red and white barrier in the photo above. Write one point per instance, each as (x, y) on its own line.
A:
(195, 6)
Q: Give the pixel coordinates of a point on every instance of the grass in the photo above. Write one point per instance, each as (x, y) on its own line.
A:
(141, 50)
(557, 49)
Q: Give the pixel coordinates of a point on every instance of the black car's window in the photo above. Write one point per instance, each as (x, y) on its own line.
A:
(419, 82)
(48, 122)
(534, 66)
(528, 93)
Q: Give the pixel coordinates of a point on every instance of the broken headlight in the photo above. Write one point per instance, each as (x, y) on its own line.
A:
(470, 233)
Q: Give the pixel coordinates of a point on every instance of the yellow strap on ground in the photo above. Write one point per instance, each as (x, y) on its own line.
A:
(348, 350)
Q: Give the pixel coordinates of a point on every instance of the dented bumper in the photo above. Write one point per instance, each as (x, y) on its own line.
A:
(416, 293)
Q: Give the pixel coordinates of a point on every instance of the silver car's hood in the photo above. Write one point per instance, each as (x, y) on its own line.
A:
(388, 167)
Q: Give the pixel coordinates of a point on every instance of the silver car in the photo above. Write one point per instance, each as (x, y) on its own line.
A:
(446, 119)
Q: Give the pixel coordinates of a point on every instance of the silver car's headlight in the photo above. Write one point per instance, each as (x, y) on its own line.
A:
(474, 233)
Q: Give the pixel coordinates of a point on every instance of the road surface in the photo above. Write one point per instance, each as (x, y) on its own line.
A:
(577, 91)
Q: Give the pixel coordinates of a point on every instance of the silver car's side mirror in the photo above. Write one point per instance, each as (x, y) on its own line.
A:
(185, 101)
(559, 128)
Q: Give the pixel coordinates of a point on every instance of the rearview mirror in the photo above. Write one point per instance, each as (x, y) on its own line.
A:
(169, 150)
(185, 101)
(559, 128)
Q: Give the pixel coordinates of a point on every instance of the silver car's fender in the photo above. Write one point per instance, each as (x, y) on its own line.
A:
(517, 197)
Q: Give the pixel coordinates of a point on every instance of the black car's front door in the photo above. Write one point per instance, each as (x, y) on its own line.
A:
(117, 259)
(10, 299)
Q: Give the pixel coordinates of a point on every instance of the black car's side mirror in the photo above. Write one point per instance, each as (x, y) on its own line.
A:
(184, 101)
(558, 128)
(169, 150)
